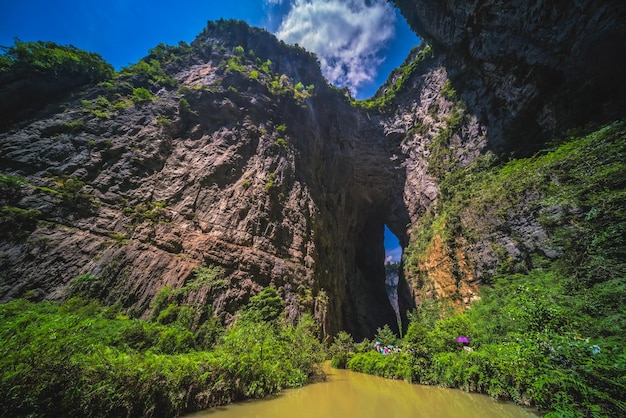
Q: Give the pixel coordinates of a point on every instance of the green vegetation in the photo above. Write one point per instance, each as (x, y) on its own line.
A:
(119, 237)
(168, 54)
(270, 183)
(440, 161)
(163, 121)
(238, 51)
(64, 128)
(283, 85)
(81, 359)
(209, 276)
(67, 190)
(281, 143)
(148, 73)
(141, 95)
(400, 76)
(184, 107)
(17, 223)
(238, 62)
(100, 108)
(548, 332)
(266, 67)
(146, 212)
(48, 60)
(136, 83)
(253, 68)
(36, 73)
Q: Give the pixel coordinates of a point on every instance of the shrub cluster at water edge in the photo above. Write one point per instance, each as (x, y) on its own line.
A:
(82, 359)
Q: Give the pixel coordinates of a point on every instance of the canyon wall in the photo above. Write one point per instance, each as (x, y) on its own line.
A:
(232, 158)
(529, 69)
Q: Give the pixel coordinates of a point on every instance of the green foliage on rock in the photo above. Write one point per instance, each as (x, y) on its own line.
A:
(387, 94)
(148, 74)
(267, 306)
(169, 54)
(549, 332)
(17, 223)
(49, 60)
(146, 212)
(18, 220)
(33, 74)
(141, 95)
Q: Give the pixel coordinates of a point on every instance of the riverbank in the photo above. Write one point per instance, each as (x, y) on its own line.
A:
(545, 330)
(81, 359)
(350, 394)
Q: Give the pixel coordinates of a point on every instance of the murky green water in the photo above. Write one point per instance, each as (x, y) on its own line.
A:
(347, 394)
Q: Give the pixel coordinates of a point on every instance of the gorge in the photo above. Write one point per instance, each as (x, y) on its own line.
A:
(218, 169)
(246, 168)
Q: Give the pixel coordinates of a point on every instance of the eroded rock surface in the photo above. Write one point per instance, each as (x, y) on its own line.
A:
(250, 162)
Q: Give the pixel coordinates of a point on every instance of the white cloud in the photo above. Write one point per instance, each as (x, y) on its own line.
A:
(348, 36)
(393, 255)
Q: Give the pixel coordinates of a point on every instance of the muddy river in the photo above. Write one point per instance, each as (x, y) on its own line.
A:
(348, 394)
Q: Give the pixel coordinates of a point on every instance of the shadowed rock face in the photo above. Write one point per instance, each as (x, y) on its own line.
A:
(249, 173)
(541, 66)
(244, 168)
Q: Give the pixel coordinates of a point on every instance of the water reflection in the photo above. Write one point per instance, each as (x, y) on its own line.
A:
(347, 394)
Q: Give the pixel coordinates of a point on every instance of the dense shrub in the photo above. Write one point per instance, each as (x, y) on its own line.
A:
(50, 60)
(34, 73)
(81, 359)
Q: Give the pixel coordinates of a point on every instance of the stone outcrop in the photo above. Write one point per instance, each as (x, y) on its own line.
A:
(240, 156)
(529, 69)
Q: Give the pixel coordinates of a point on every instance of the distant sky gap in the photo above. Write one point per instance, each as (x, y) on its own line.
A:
(393, 250)
(358, 42)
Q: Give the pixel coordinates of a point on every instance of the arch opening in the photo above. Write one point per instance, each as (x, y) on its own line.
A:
(393, 268)
(378, 292)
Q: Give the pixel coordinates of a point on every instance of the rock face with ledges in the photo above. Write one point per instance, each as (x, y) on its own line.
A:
(242, 168)
(238, 155)
(529, 69)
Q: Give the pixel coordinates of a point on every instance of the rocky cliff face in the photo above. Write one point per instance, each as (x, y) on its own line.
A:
(529, 69)
(233, 156)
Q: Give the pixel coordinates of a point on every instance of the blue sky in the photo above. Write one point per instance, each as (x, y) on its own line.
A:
(358, 42)
(393, 250)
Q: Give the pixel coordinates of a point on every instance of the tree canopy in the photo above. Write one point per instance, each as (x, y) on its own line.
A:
(50, 60)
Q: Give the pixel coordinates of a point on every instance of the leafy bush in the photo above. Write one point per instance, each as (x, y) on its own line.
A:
(148, 73)
(141, 95)
(34, 73)
(384, 99)
(81, 359)
(50, 60)
(17, 223)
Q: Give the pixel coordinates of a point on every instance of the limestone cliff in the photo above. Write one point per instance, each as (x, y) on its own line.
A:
(233, 156)
(529, 69)
(232, 152)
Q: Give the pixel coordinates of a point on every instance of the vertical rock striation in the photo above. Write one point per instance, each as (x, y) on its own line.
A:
(529, 69)
(234, 152)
